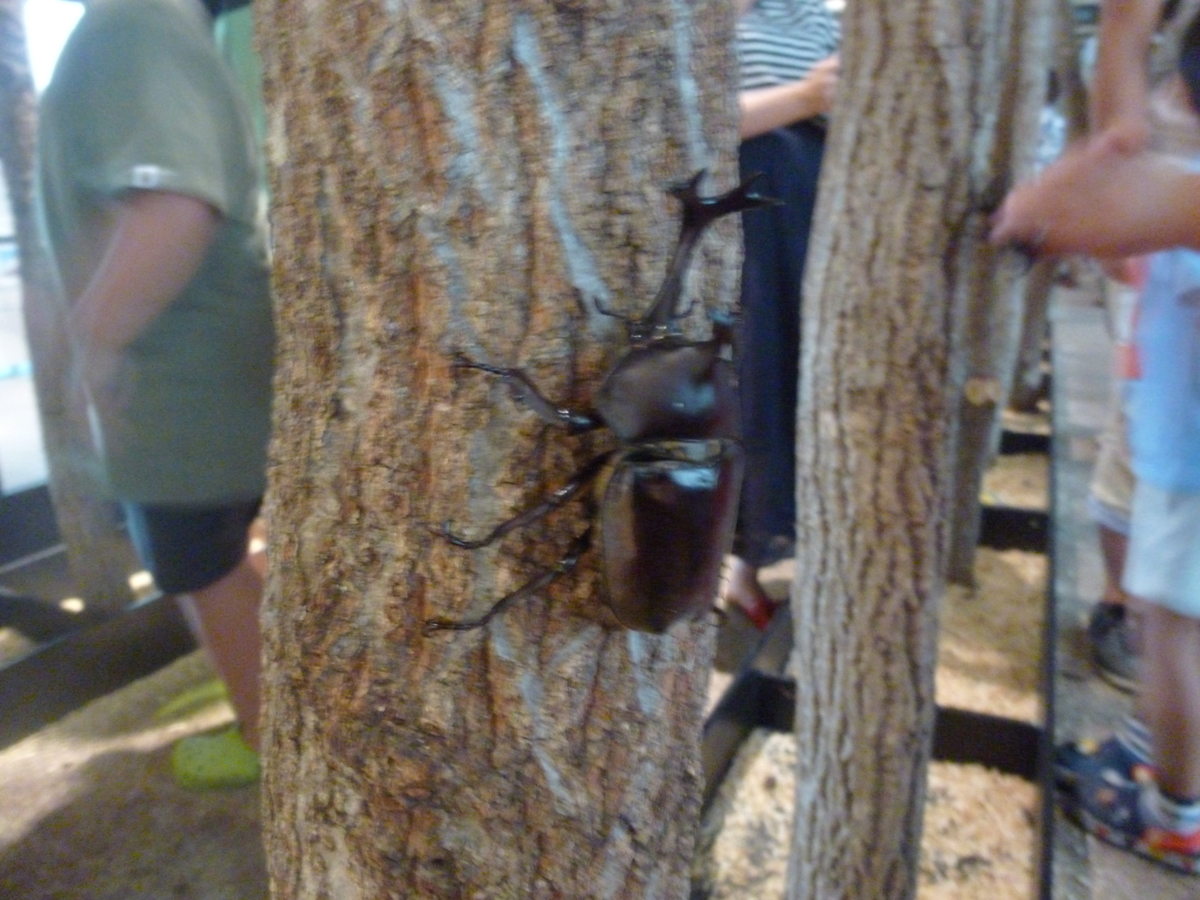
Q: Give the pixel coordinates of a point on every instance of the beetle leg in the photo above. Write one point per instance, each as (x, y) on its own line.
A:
(559, 497)
(526, 393)
(687, 310)
(724, 330)
(575, 550)
(608, 311)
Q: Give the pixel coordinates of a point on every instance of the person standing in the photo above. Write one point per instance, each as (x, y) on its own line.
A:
(151, 193)
(788, 70)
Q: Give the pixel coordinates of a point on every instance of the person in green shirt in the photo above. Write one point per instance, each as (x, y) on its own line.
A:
(151, 194)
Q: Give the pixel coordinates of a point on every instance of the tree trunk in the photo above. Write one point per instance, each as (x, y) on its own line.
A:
(1029, 378)
(1074, 100)
(99, 557)
(991, 297)
(899, 224)
(456, 177)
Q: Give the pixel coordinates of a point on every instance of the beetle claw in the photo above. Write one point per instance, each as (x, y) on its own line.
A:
(446, 533)
(457, 539)
(609, 311)
(688, 190)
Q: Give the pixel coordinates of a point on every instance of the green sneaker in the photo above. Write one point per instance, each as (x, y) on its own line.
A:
(193, 700)
(215, 761)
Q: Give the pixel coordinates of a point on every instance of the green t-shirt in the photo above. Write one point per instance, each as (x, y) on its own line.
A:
(234, 36)
(140, 100)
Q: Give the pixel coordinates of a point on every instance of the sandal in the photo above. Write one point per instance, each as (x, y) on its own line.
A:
(741, 590)
(1087, 759)
(1114, 800)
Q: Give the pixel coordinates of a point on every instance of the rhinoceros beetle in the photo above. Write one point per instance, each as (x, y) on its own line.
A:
(670, 502)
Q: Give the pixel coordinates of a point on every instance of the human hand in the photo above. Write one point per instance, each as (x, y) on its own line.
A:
(822, 82)
(100, 391)
(1099, 199)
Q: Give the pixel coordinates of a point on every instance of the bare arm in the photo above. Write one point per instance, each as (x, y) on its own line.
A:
(1110, 196)
(1119, 95)
(1102, 200)
(765, 109)
(156, 245)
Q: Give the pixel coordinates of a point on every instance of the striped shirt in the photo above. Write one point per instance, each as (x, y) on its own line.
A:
(779, 41)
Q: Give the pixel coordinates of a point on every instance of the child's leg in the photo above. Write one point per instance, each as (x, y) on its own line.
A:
(225, 616)
(200, 554)
(1114, 547)
(1105, 788)
(1110, 631)
(1169, 701)
(1163, 571)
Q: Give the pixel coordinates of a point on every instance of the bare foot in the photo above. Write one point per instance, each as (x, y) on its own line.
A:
(743, 591)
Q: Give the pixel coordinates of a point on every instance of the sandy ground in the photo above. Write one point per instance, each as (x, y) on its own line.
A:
(979, 840)
(90, 812)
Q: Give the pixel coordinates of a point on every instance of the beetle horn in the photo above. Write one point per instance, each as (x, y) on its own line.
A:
(698, 213)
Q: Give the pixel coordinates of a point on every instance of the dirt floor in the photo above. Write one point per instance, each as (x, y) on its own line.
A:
(90, 812)
(979, 837)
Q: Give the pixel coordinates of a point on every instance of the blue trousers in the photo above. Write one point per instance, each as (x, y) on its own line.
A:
(768, 349)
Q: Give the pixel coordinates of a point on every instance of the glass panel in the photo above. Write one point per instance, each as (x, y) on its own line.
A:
(48, 23)
(22, 461)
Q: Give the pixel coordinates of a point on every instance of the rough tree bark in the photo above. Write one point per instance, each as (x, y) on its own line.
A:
(899, 221)
(454, 177)
(1029, 380)
(98, 555)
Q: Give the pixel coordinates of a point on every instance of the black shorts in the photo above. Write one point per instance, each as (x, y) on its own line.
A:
(187, 548)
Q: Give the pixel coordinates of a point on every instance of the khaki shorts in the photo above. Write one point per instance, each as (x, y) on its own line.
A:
(1110, 497)
(1163, 566)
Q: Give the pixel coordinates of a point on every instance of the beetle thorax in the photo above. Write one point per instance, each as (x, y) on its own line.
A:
(667, 390)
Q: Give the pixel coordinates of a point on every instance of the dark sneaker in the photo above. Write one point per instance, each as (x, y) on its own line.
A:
(1117, 807)
(1110, 640)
